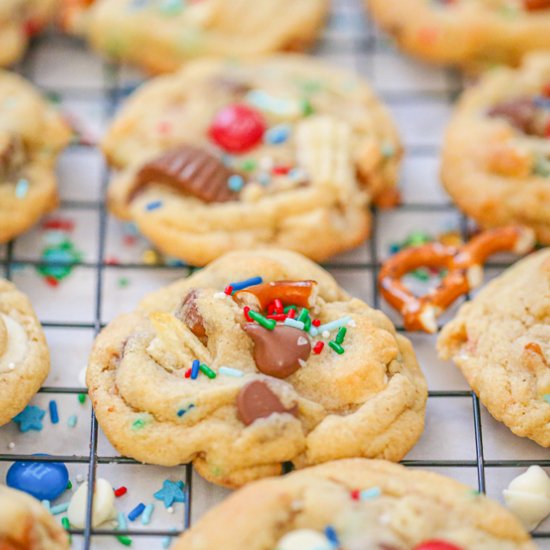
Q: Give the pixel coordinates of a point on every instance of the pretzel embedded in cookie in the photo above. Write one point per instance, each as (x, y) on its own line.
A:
(465, 272)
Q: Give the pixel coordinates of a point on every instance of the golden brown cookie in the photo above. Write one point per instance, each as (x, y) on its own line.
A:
(32, 134)
(496, 154)
(357, 504)
(195, 375)
(24, 356)
(501, 343)
(284, 151)
(26, 525)
(475, 34)
(160, 35)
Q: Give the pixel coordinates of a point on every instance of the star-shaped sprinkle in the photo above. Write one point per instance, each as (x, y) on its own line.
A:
(171, 492)
(30, 418)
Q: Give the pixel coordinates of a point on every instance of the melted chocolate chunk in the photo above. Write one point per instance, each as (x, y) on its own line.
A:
(520, 113)
(189, 313)
(190, 170)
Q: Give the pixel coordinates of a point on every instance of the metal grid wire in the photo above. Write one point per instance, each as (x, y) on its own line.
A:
(351, 38)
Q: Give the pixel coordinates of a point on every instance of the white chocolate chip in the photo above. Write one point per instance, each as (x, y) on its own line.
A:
(304, 539)
(528, 496)
(16, 343)
(104, 504)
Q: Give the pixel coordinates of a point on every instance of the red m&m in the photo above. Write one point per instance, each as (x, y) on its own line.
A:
(237, 128)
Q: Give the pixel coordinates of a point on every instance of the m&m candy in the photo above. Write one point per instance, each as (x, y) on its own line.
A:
(42, 480)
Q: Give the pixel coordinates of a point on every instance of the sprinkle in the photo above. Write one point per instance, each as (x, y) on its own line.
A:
(313, 331)
(46, 504)
(546, 397)
(79, 478)
(228, 290)
(387, 150)
(341, 335)
(291, 313)
(281, 170)
(170, 509)
(248, 165)
(336, 347)
(325, 334)
(207, 370)
(228, 371)
(151, 257)
(54, 414)
(195, 369)
(121, 523)
(287, 309)
(316, 322)
(220, 295)
(188, 373)
(65, 523)
(59, 509)
(318, 347)
(82, 398)
(332, 536)
(69, 485)
(304, 314)
(30, 418)
(369, 494)
(71, 422)
(166, 541)
(11, 445)
(335, 324)
(154, 205)
(246, 311)
(355, 494)
(278, 305)
(277, 134)
(307, 107)
(141, 422)
(269, 324)
(235, 182)
(136, 512)
(264, 178)
(120, 491)
(147, 513)
(293, 323)
(21, 188)
(123, 539)
(277, 317)
(240, 285)
(307, 324)
(123, 282)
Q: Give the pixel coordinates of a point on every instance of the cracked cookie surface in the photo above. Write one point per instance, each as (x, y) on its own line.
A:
(364, 504)
(284, 151)
(501, 343)
(257, 400)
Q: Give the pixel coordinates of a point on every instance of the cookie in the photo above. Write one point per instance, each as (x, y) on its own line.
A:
(283, 151)
(474, 34)
(239, 387)
(501, 343)
(32, 134)
(24, 356)
(19, 21)
(26, 524)
(496, 160)
(357, 504)
(160, 36)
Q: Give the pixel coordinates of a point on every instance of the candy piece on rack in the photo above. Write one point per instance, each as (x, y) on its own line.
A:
(257, 400)
(237, 128)
(528, 496)
(42, 480)
(30, 418)
(296, 293)
(172, 491)
(190, 170)
(437, 545)
(304, 539)
(279, 352)
(465, 272)
(103, 508)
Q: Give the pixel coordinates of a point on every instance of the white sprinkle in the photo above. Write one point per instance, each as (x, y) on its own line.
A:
(11, 445)
(352, 323)
(11, 366)
(170, 509)
(325, 334)
(79, 478)
(220, 295)
(266, 163)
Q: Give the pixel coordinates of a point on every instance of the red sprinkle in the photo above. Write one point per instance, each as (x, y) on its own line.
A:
(281, 170)
(164, 127)
(228, 290)
(129, 240)
(291, 313)
(355, 494)
(59, 223)
(437, 545)
(51, 281)
(188, 373)
(120, 491)
(246, 309)
(318, 347)
(271, 308)
(278, 305)
(316, 322)
(278, 317)
(111, 260)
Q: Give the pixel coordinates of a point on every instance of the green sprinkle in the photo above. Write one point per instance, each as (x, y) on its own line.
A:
(69, 485)
(66, 526)
(387, 150)
(269, 324)
(307, 107)
(141, 422)
(307, 324)
(341, 335)
(172, 7)
(207, 370)
(336, 347)
(304, 314)
(248, 165)
(422, 274)
(123, 539)
(82, 398)
(542, 167)
(123, 282)
(288, 308)
(546, 397)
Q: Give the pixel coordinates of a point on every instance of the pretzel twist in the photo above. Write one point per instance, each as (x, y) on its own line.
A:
(465, 272)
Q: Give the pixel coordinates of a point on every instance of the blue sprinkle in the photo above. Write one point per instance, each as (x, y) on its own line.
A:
(277, 134)
(240, 285)
(313, 331)
(54, 414)
(153, 205)
(46, 504)
(59, 509)
(332, 536)
(228, 371)
(136, 512)
(22, 188)
(172, 7)
(293, 323)
(235, 182)
(122, 525)
(297, 174)
(195, 369)
(30, 418)
(181, 412)
(371, 493)
(73, 419)
(264, 178)
(147, 513)
(166, 541)
(542, 102)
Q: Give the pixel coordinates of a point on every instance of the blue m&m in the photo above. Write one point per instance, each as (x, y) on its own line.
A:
(42, 480)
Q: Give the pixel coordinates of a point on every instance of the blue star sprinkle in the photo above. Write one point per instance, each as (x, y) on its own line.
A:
(30, 418)
(171, 492)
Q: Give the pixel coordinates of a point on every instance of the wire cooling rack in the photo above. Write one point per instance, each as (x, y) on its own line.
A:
(115, 268)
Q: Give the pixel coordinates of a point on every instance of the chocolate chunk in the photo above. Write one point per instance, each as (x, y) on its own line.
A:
(190, 170)
(278, 352)
(189, 313)
(256, 400)
(12, 156)
(520, 113)
(534, 5)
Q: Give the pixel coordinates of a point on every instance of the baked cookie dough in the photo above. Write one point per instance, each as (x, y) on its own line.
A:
(32, 134)
(496, 154)
(283, 151)
(24, 356)
(501, 343)
(333, 381)
(26, 525)
(161, 35)
(357, 504)
(19, 20)
(475, 34)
